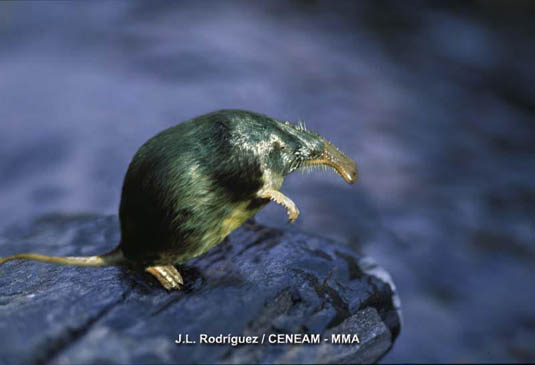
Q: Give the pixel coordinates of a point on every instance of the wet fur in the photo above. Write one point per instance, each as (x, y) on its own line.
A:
(192, 184)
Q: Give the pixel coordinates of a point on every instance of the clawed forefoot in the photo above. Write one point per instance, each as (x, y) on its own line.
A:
(167, 275)
(283, 200)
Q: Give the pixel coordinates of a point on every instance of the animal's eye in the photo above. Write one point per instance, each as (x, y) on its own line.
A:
(278, 146)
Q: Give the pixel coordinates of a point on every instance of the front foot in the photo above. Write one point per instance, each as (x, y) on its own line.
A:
(167, 275)
(283, 200)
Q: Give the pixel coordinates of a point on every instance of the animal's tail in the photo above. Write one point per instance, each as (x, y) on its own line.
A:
(109, 259)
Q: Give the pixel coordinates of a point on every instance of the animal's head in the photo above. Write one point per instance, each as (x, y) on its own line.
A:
(294, 147)
(283, 147)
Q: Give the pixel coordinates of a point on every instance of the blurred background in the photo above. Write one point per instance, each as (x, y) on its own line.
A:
(434, 100)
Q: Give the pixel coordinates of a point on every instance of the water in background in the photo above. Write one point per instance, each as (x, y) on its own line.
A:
(435, 102)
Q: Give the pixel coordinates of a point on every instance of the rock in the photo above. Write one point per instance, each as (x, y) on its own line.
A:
(260, 281)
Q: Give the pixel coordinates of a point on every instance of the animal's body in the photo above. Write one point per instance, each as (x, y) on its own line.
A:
(191, 185)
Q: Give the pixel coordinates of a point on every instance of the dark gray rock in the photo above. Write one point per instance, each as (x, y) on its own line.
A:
(259, 281)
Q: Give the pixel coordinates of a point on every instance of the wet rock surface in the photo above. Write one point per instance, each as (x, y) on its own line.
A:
(259, 281)
(434, 100)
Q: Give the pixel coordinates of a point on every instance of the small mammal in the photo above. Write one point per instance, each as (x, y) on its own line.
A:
(191, 185)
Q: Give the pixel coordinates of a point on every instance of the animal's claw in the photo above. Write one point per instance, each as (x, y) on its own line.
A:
(167, 275)
(293, 214)
(283, 200)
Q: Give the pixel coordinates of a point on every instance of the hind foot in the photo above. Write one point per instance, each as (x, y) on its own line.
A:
(167, 275)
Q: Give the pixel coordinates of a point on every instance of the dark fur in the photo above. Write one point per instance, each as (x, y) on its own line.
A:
(166, 207)
(189, 186)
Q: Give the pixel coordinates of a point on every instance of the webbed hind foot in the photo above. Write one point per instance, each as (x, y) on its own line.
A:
(167, 275)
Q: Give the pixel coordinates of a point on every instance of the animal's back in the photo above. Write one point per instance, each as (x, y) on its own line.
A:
(191, 185)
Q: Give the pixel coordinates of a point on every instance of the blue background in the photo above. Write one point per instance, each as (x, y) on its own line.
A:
(435, 101)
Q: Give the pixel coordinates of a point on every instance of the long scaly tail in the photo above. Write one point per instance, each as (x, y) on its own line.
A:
(109, 259)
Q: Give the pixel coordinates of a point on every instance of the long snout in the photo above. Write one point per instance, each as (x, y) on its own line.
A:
(333, 157)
